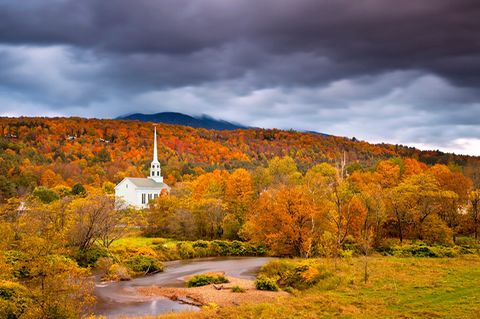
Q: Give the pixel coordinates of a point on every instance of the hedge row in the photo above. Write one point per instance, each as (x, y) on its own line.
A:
(423, 250)
(220, 248)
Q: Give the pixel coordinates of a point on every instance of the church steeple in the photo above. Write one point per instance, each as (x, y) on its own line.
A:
(155, 156)
(155, 170)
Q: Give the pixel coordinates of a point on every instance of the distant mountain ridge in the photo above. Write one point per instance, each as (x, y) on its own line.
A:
(203, 121)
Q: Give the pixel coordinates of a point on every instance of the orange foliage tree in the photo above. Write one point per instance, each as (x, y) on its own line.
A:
(286, 220)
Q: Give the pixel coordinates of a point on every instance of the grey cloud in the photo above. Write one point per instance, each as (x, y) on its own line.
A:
(404, 72)
(360, 37)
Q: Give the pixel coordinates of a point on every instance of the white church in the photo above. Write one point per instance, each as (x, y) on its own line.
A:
(137, 192)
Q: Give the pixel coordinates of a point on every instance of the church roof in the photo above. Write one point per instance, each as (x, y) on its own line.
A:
(146, 182)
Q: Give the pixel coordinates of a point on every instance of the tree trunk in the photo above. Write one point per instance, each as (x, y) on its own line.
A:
(365, 268)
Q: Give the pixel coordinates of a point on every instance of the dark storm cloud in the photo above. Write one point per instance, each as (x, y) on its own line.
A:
(360, 36)
(404, 71)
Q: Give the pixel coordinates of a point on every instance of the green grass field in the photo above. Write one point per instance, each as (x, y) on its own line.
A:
(140, 241)
(397, 288)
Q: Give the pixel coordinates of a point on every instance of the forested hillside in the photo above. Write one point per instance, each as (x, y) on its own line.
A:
(55, 151)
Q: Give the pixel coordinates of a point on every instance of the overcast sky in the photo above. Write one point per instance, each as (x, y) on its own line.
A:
(380, 70)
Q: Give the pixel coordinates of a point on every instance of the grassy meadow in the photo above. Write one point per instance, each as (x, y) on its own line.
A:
(136, 241)
(397, 288)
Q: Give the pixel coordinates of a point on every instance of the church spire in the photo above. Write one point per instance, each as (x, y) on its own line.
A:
(155, 156)
(155, 170)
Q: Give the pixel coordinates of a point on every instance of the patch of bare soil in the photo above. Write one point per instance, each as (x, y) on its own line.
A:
(221, 294)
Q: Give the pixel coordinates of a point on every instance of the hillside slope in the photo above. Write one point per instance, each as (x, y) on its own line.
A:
(49, 151)
(203, 121)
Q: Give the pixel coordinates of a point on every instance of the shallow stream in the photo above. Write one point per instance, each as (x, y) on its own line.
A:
(119, 299)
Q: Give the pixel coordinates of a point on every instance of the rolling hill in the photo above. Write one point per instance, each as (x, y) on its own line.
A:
(203, 121)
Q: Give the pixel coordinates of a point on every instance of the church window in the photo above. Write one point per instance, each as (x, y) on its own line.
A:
(144, 198)
(155, 196)
(158, 173)
(149, 197)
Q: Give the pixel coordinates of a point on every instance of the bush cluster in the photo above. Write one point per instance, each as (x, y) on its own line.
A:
(144, 264)
(89, 257)
(423, 250)
(123, 263)
(238, 289)
(203, 280)
(266, 283)
(117, 272)
(202, 248)
(295, 273)
(141, 260)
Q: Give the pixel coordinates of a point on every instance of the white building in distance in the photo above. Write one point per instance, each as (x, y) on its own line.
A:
(137, 192)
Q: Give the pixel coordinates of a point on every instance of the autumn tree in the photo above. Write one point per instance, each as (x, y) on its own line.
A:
(239, 198)
(474, 211)
(210, 185)
(161, 217)
(10, 214)
(428, 199)
(413, 167)
(388, 173)
(455, 189)
(209, 214)
(7, 188)
(372, 197)
(400, 203)
(94, 218)
(47, 283)
(286, 220)
(49, 178)
(283, 171)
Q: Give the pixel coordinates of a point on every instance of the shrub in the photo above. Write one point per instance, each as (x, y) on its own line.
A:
(387, 246)
(144, 264)
(90, 256)
(465, 241)
(104, 263)
(265, 283)
(238, 248)
(9, 289)
(108, 187)
(13, 302)
(418, 251)
(78, 189)
(45, 195)
(299, 274)
(203, 280)
(159, 242)
(422, 250)
(219, 248)
(62, 190)
(203, 248)
(117, 272)
(200, 243)
(144, 251)
(18, 260)
(186, 250)
(237, 289)
(437, 232)
(210, 306)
